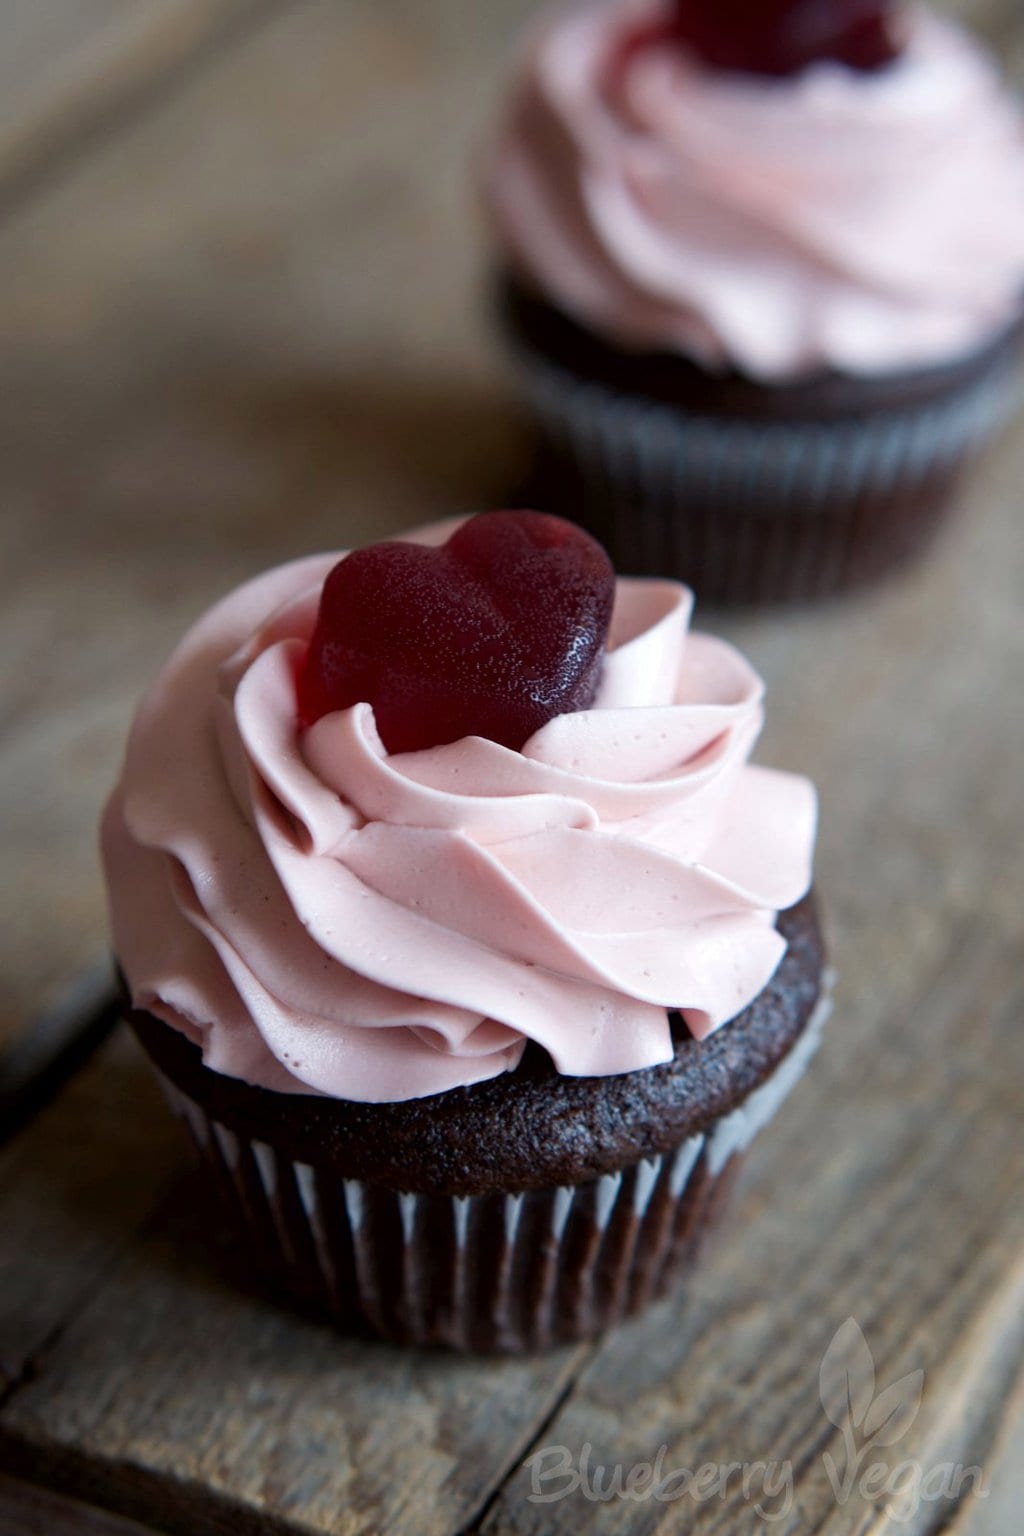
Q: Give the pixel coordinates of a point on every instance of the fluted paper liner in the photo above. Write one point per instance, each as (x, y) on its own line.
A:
(502, 1272)
(759, 512)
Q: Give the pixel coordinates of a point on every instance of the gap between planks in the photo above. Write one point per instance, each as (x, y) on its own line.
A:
(108, 1490)
(169, 1506)
(1004, 1481)
(986, 1324)
(36, 1067)
(28, 1510)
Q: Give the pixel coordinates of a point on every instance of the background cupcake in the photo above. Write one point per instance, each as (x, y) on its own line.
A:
(469, 1033)
(764, 268)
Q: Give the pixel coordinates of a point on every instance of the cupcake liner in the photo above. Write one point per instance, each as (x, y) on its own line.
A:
(760, 511)
(496, 1272)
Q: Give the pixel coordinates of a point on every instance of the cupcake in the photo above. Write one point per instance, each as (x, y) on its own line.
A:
(460, 930)
(762, 265)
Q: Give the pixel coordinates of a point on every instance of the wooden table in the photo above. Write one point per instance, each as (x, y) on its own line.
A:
(241, 318)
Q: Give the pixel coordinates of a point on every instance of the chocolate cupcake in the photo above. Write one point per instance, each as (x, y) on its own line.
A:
(460, 929)
(762, 267)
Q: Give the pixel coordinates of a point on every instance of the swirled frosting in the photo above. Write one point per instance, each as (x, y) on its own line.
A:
(322, 917)
(868, 223)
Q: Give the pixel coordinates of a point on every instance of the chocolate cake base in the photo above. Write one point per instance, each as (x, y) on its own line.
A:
(512, 1215)
(750, 493)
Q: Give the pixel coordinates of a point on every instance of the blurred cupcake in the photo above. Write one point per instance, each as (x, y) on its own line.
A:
(460, 929)
(763, 265)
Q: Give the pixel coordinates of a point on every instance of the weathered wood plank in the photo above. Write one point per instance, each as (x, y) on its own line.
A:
(998, 21)
(200, 460)
(293, 1426)
(267, 344)
(233, 376)
(125, 1397)
(68, 71)
(933, 1180)
(936, 1283)
(999, 1513)
(55, 1047)
(908, 1216)
(74, 1189)
(234, 380)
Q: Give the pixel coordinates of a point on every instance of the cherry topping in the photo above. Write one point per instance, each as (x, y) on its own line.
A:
(491, 634)
(782, 37)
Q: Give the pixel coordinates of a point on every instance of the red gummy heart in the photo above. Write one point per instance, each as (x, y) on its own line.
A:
(782, 37)
(492, 634)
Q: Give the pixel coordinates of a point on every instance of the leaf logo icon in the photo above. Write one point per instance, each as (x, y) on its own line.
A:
(847, 1378)
(894, 1410)
(847, 1385)
(867, 1423)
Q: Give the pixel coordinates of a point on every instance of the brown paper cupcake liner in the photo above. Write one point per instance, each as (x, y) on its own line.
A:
(759, 511)
(496, 1272)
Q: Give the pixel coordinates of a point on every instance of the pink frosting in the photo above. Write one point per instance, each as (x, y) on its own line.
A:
(868, 223)
(323, 917)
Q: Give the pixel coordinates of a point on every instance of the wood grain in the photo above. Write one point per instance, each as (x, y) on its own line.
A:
(293, 1428)
(68, 73)
(999, 1512)
(74, 1189)
(929, 1258)
(252, 326)
(266, 344)
(55, 1047)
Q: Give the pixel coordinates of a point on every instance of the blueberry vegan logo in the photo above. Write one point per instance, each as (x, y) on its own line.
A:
(872, 1422)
